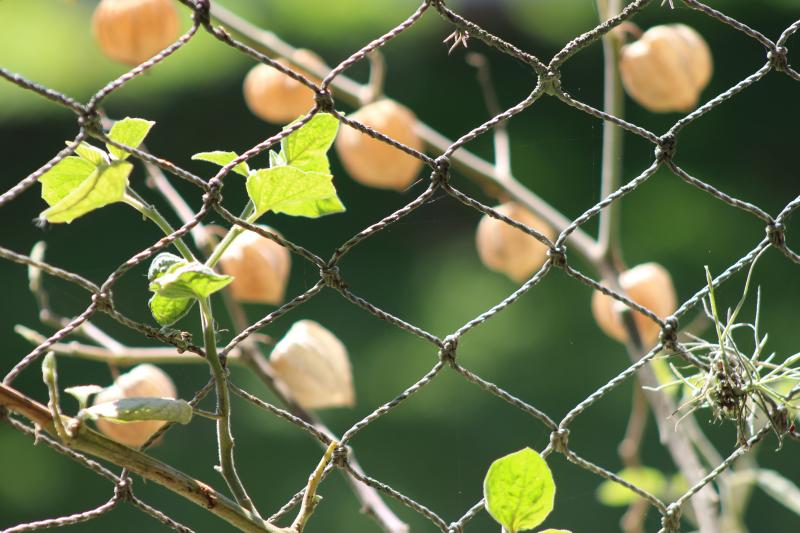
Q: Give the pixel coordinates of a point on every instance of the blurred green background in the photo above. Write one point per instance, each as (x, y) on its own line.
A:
(545, 349)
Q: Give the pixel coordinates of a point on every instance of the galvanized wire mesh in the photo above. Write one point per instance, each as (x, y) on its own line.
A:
(90, 125)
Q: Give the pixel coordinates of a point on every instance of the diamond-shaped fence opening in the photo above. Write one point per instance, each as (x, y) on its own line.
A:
(573, 256)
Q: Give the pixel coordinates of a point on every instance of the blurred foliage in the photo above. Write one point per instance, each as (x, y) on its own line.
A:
(545, 348)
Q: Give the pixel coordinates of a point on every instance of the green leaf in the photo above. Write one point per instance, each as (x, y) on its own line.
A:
(162, 263)
(192, 280)
(130, 132)
(167, 310)
(104, 186)
(221, 158)
(613, 494)
(551, 530)
(519, 490)
(65, 176)
(294, 192)
(138, 409)
(91, 154)
(276, 159)
(307, 147)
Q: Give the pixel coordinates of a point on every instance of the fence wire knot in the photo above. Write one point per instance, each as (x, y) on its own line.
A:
(671, 520)
(103, 301)
(779, 58)
(551, 82)
(665, 150)
(340, 456)
(441, 172)
(213, 196)
(558, 256)
(776, 233)
(559, 440)
(324, 100)
(90, 120)
(447, 353)
(123, 489)
(332, 277)
(669, 334)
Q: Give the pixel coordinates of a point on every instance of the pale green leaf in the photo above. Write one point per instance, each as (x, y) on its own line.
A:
(64, 177)
(307, 147)
(551, 530)
(782, 490)
(91, 154)
(221, 158)
(192, 280)
(167, 310)
(83, 392)
(104, 186)
(649, 479)
(294, 192)
(519, 490)
(138, 409)
(130, 132)
(162, 263)
(276, 159)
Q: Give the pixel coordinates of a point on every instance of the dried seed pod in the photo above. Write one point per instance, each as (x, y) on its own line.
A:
(142, 381)
(314, 365)
(373, 162)
(649, 285)
(667, 68)
(259, 266)
(275, 97)
(504, 248)
(133, 31)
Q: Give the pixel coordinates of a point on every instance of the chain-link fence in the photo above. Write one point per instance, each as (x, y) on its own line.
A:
(571, 240)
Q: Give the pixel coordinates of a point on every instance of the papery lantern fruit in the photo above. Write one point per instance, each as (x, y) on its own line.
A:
(667, 68)
(275, 97)
(133, 31)
(373, 162)
(142, 381)
(259, 266)
(506, 249)
(313, 363)
(650, 286)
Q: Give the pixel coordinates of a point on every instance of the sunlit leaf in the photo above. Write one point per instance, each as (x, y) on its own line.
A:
(192, 280)
(70, 198)
(130, 132)
(307, 147)
(221, 158)
(519, 490)
(163, 263)
(65, 176)
(167, 310)
(92, 154)
(294, 192)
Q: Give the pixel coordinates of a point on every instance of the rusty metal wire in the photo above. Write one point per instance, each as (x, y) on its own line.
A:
(439, 169)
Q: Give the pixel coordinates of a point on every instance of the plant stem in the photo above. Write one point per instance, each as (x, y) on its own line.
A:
(224, 435)
(310, 497)
(150, 212)
(121, 355)
(613, 104)
(249, 215)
